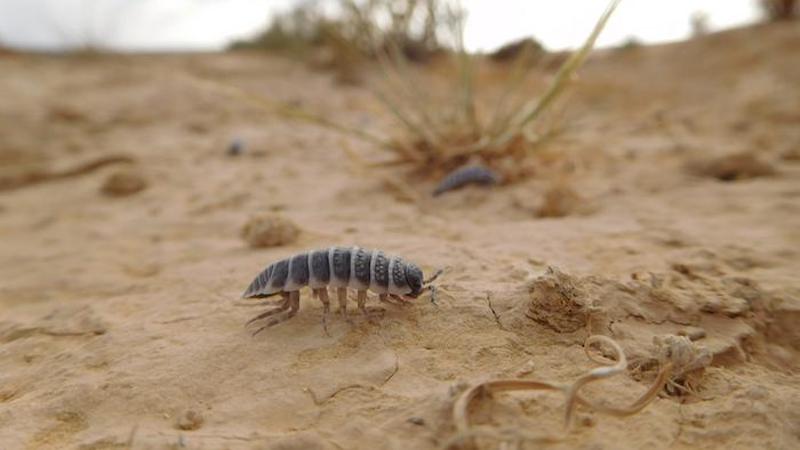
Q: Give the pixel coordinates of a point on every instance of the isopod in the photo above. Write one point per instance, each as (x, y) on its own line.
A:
(236, 147)
(471, 174)
(340, 268)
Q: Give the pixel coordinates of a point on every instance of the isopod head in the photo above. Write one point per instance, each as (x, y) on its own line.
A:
(414, 278)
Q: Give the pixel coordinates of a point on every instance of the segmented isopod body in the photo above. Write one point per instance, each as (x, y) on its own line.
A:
(236, 147)
(472, 174)
(340, 268)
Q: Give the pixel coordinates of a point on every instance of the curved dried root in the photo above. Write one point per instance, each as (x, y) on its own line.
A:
(465, 432)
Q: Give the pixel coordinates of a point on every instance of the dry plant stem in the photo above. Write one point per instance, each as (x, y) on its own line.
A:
(397, 74)
(467, 71)
(519, 117)
(427, 130)
(594, 374)
(562, 78)
(661, 380)
(406, 120)
(566, 71)
(461, 406)
(404, 72)
(402, 81)
(502, 114)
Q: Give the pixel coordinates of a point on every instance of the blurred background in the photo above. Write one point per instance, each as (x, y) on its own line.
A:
(206, 25)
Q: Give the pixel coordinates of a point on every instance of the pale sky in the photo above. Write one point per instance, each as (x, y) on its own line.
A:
(159, 25)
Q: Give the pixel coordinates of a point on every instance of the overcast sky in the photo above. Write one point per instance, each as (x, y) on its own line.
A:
(155, 25)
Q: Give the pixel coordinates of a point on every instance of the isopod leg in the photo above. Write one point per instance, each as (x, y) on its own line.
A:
(322, 293)
(434, 277)
(341, 295)
(294, 306)
(280, 308)
(370, 313)
(399, 300)
(294, 297)
(390, 299)
(264, 302)
(362, 302)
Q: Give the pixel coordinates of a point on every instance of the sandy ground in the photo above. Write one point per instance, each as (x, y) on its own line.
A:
(119, 324)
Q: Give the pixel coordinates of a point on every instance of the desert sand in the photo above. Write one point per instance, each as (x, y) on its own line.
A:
(120, 319)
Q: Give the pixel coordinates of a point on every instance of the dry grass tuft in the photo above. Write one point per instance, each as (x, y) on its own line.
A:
(345, 42)
(437, 135)
(436, 138)
(688, 362)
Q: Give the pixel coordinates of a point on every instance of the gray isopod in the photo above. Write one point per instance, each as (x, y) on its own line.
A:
(340, 268)
(472, 174)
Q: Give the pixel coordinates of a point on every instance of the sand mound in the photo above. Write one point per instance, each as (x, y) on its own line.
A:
(269, 231)
(739, 166)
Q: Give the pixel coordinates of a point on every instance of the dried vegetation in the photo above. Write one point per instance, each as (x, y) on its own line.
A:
(436, 133)
(466, 433)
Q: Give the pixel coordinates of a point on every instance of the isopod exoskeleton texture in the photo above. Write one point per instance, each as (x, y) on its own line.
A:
(340, 268)
(471, 174)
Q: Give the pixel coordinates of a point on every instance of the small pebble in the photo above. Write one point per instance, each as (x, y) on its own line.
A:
(123, 183)
(526, 369)
(792, 154)
(586, 421)
(693, 333)
(416, 420)
(269, 230)
(190, 420)
(236, 147)
(733, 167)
(560, 201)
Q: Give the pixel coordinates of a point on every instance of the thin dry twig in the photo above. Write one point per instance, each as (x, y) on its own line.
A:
(561, 80)
(572, 393)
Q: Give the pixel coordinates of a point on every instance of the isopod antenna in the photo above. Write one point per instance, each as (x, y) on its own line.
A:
(428, 286)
